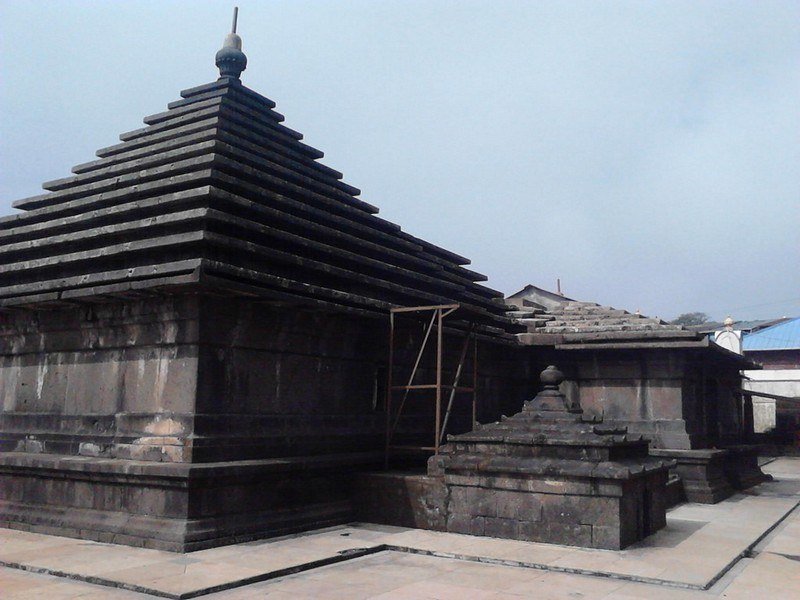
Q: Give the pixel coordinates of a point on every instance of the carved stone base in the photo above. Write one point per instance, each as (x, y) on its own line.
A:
(741, 467)
(556, 505)
(702, 472)
(173, 506)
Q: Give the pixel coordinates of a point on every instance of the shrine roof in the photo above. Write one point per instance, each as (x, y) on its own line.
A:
(216, 193)
(563, 321)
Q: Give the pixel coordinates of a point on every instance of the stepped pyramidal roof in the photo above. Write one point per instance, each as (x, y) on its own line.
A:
(216, 193)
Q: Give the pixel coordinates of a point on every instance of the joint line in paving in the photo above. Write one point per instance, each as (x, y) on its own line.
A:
(747, 552)
(544, 567)
(342, 556)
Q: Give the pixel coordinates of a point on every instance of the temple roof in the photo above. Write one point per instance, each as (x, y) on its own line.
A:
(216, 193)
(571, 321)
(572, 325)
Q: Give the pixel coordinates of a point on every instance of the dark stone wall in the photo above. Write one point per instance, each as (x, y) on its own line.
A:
(402, 499)
(174, 506)
(590, 512)
(190, 421)
(280, 381)
(111, 380)
(676, 397)
(734, 418)
(203, 379)
(505, 379)
(577, 511)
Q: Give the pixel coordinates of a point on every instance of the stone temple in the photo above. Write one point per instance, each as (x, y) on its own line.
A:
(193, 336)
(194, 330)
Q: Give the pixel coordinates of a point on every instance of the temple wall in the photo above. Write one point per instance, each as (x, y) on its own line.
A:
(197, 378)
(281, 381)
(676, 398)
(187, 422)
(734, 423)
(643, 390)
(114, 379)
(284, 381)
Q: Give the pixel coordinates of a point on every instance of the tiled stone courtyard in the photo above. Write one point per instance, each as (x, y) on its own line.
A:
(745, 547)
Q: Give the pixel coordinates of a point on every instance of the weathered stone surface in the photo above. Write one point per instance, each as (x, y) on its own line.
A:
(548, 474)
(576, 321)
(176, 507)
(193, 333)
(702, 473)
(257, 214)
(404, 500)
(92, 393)
(659, 380)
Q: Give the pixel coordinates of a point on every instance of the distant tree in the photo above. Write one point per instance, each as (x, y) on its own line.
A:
(692, 318)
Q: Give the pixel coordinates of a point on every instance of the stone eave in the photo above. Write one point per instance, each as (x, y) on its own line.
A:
(585, 439)
(633, 340)
(744, 362)
(616, 339)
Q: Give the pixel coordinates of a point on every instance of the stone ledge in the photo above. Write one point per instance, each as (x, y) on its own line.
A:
(556, 468)
(173, 535)
(173, 506)
(699, 455)
(701, 472)
(15, 461)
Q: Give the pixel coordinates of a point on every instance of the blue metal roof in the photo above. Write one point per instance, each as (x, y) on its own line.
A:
(783, 336)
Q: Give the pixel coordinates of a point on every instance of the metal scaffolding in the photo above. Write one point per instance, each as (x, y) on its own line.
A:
(438, 315)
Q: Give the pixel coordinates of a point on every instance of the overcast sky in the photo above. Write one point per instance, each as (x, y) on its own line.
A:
(647, 153)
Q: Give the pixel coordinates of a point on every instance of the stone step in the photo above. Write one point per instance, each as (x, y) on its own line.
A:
(610, 314)
(559, 321)
(585, 327)
(520, 314)
(534, 323)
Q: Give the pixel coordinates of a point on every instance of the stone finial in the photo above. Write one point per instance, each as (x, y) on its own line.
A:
(728, 322)
(230, 59)
(551, 378)
(551, 399)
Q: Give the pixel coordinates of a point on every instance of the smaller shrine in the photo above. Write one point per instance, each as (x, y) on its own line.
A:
(551, 474)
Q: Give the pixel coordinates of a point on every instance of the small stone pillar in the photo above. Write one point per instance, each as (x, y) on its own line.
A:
(549, 474)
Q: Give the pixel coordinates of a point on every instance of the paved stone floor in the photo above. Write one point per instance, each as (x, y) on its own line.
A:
(745, 547)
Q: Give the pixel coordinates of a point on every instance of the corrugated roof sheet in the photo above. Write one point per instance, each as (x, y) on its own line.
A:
(783, 336)
(746, 326)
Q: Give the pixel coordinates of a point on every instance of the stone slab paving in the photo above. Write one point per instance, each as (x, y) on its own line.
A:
(745, 547)
(181, 575)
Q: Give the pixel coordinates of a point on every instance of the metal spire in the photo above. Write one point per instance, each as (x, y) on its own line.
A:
(230, 60)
